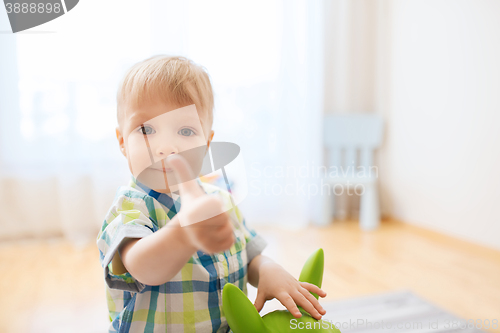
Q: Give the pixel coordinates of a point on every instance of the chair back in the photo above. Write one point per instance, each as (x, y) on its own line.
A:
(350, 139)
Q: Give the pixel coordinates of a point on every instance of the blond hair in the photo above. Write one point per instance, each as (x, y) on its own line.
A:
(176, 80)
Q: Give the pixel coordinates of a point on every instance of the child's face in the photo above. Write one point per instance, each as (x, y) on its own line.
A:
(152, 132)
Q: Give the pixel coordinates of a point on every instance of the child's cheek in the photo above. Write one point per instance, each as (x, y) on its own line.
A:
(193, 150)
(138, 155)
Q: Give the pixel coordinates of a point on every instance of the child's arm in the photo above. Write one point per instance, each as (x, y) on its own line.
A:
(155, 259)
(253, 269)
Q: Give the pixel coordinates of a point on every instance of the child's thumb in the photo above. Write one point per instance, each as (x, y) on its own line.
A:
(259, 302)
(186, 180)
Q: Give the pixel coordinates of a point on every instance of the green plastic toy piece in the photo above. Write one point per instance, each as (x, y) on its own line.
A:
(242, 316)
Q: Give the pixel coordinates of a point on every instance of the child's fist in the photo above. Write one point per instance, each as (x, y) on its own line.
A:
(203, 217)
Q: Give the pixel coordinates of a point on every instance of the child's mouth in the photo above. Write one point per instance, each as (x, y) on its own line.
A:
(163, 170)
(161, 166)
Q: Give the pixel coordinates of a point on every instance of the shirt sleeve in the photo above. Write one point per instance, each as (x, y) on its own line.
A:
(255, 243)
(127, 218)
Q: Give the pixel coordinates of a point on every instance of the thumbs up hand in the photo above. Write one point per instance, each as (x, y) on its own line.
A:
(202, 216)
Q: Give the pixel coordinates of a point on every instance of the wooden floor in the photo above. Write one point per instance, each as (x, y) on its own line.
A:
(42, 282)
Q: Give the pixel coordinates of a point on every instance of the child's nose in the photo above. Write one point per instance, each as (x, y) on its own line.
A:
(163, 150)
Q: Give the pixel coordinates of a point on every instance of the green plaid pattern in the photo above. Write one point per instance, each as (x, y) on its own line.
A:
(192, 300)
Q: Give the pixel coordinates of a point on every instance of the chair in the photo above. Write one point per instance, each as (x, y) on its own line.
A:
(350, 141)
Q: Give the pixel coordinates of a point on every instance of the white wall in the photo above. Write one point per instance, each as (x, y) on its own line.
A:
(350, 46)
(440, 164)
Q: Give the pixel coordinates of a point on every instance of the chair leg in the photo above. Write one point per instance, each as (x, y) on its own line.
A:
(327, 208)
(341, 204)
(369, 215)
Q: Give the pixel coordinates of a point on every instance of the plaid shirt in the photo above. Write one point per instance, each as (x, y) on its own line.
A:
(192, 300)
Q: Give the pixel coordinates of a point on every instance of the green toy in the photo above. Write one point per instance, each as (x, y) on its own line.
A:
(242, 316)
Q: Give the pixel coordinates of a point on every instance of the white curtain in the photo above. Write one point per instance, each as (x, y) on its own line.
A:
(60, 164)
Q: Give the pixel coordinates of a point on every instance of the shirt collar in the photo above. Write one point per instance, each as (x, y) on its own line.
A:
(170, 200)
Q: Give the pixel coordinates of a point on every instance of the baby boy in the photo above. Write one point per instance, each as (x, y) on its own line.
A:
(170, 242)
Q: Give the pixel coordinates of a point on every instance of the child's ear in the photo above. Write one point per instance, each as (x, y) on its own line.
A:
(119, 137)
(210, 137)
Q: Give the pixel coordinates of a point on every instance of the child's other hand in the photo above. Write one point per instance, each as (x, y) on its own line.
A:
(202, 216)
(276, 282)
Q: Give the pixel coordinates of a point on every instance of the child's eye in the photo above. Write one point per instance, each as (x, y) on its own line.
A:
(146, 130)
(186, 132)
